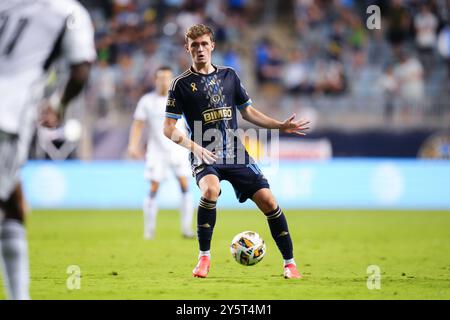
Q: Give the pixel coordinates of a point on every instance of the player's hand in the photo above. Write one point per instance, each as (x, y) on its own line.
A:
(49, 118)
(205, 155)
(135, 153)
(295, 127)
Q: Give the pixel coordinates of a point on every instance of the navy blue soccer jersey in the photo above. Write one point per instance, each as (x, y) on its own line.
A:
(210, 101)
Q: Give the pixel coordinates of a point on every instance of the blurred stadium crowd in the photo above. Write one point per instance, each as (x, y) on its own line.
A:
(315, 58)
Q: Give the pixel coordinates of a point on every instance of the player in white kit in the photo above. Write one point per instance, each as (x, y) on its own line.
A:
(33, 34)
(162, 156)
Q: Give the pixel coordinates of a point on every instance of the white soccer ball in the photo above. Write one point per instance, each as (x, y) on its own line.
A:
(248, 248)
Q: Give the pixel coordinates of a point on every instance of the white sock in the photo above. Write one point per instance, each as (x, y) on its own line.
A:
(288, 261)
(14, 252)
(187, 213)
(150, 209)
(204, 253)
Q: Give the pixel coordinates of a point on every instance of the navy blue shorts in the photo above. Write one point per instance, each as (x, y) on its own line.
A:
(246, 179)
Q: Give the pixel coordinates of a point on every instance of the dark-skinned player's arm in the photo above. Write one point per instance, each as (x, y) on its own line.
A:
(171, 132)
(258, 118)
(79, 75)
(53, 113)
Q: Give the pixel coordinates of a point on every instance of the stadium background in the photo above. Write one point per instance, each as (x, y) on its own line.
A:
(379, 94)
(379, 105)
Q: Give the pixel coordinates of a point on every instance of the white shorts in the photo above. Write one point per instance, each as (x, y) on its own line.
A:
(10, 162)
(159, 169)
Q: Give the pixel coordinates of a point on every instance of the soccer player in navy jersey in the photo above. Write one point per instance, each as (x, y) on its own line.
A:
(208, 96)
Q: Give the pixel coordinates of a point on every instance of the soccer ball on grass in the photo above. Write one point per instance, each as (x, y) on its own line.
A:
(248, 248)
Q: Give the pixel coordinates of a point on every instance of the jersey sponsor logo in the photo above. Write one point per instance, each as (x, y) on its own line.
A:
(171, 102)
(213, 115)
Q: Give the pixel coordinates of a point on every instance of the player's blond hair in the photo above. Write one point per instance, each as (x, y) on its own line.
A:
(198, 30)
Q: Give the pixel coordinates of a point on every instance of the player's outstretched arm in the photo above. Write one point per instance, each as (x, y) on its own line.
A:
(53, 113)
(133, 142)
(79, 75)
(171, 132)
(258, 118)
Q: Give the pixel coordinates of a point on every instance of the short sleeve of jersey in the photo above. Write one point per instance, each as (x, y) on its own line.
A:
(174, 106)
(140, 113)
(78, 42)
(241, 96)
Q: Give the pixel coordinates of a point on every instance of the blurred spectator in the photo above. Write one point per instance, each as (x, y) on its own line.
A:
(103, 87)
(193, 13)
(269, 62)
(399, 21)
(128, 89)
(261, 56)
(308, 15)
(330, 78)
(337, 36)
(409, 75)
(357, 36)
(295, 75)
(389, 88)
(444, 46)
(231, 58)
(151, 61)
(237, 6)
(426, 24)
(335, 79)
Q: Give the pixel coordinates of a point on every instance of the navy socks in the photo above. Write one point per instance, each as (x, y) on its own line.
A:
(206, 220)
(280, 232)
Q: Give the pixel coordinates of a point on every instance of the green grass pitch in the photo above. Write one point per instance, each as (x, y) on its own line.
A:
(333, 250)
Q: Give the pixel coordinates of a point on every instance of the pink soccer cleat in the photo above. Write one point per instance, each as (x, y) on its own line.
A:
(291, 272)
(202, 268)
